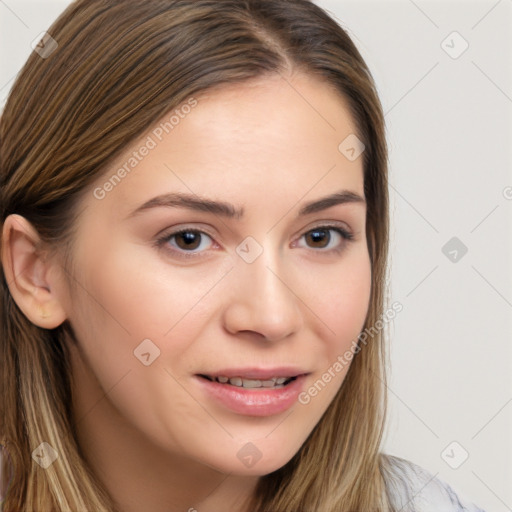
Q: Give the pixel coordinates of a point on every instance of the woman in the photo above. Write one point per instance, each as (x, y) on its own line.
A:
(194, 208)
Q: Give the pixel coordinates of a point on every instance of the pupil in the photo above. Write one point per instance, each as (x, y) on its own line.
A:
(318, 236)
(189, 239)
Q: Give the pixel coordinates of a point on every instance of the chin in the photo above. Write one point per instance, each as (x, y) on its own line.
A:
(266, 464)
(248, 465)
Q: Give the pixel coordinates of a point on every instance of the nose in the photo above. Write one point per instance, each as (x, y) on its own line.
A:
(263, 300)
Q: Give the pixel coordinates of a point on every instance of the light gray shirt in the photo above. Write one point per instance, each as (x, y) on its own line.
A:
(412, 488)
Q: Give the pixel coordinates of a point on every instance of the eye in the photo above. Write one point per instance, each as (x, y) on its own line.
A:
(327, 238)
(190, 241)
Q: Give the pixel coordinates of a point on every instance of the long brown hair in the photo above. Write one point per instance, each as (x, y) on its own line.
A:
(119, 66)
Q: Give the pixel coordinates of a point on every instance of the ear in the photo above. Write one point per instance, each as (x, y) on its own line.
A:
(33, 280)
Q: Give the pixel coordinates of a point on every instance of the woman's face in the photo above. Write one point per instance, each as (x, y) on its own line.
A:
(270, 291)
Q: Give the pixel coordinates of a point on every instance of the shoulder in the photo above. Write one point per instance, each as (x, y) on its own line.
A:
(412, 488)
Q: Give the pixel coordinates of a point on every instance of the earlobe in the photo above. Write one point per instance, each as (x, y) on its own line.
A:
(29, 274)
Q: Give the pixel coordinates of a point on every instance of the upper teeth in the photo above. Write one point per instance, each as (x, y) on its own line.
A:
(252, 383)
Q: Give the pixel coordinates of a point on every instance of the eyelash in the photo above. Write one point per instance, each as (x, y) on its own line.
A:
(161, 241)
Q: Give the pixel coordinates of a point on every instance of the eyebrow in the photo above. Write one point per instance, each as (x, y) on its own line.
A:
(228, 210)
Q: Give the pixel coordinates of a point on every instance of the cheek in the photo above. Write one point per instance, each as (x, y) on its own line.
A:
(342, 298)
(341, 301)
(145, 294)
(129, 300)
(126, 302)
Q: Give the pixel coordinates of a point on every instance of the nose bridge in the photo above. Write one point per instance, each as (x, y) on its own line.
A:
(262, 300)
(262, 277)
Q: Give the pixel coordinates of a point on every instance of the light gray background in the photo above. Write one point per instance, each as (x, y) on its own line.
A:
(449, 131)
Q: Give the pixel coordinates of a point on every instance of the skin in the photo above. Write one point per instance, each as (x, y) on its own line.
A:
(154, 438)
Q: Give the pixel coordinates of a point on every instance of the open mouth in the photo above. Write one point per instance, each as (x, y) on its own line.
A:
(240, 382)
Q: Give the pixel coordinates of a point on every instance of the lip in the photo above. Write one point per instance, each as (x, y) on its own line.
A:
(250, 401)
(254, 372)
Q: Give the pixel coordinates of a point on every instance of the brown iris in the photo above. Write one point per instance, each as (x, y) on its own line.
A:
(319, 237)
(188, 239)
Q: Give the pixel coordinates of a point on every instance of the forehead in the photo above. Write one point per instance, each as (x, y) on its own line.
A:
(275, 136)
(272, 113)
